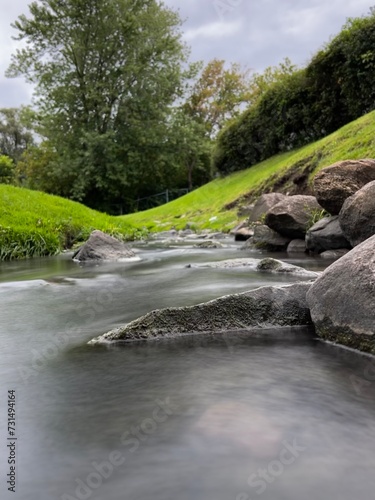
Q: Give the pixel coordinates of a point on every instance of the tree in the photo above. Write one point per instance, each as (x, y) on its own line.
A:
(106, 73)
(6, 170)
(15, 132)
(218, 95)
(192, 148)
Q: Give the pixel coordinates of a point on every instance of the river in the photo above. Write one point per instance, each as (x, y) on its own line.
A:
(241, 417)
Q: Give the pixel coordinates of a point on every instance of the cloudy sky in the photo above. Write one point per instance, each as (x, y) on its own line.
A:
(255, 33)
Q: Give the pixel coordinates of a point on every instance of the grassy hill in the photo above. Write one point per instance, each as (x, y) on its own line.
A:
(34, 223)
(215, 205)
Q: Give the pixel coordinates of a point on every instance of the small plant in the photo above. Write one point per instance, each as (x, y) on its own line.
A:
(316, 215)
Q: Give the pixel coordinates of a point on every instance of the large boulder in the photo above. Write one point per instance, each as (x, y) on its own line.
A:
(263, 204)
(102, 247)
(357, 216)
(342, 299)
(334, 184)
(263, 308)
(291, 216)
(268, 239)
(326, 234)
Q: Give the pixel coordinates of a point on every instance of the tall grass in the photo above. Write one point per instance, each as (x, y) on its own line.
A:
(37, 224)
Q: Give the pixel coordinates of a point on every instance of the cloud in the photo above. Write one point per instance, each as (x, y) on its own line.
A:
(213, 30)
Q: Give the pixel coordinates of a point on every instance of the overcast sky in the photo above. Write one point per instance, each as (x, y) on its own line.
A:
(255, 33)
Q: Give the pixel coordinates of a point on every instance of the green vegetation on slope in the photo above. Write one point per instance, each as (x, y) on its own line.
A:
(37, 224)
(214, 205)
(34, 223)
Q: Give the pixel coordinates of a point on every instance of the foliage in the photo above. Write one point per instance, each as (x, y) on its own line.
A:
(15, 131)
(6, 170)
(300, 106)
(218, 94)
(215, 205)
(316, 215)
(106, 75)
(38, 224)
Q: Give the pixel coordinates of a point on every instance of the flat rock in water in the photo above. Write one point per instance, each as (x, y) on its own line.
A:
(342, 299)
(102, 247)
(263, 308)
(278, 266)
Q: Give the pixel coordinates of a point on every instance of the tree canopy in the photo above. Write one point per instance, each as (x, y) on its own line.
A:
(106, 73)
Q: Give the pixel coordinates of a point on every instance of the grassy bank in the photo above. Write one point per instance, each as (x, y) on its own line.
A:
(215, 205)
(34, 223)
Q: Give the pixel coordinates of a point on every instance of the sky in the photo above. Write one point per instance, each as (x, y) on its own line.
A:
(254, 33)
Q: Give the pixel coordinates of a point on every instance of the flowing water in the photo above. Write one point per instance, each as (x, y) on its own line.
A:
(275, 416)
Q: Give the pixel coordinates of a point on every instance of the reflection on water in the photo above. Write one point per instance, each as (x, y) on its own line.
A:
(231, 417)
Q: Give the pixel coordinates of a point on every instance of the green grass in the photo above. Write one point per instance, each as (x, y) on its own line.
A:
(205, 208)
(37, 224)
(34, 223)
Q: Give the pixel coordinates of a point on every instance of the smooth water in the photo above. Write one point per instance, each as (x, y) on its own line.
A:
(232, 417)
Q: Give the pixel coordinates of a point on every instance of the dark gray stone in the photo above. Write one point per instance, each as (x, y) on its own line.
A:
(262, 308)
(297, 246)
(102, 247)
(263, 204)
(209, 244)
(291, 216)
(267, 238)
(334, 254)
(334, 184)
(342, 299)
(357, 216)
(326, 234)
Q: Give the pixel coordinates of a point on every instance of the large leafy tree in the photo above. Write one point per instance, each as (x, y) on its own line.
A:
(106, 73)
(218, 95)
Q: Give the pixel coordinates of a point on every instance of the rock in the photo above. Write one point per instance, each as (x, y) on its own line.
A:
(291, 216)
(334, 184)
(244, 211)
(242, 231)
(209, 244)
(164, 235)
(215, 236)
(186, 232)
(265, 203)
(244, 234)
(228, 264)
(297, 246)
(102, 247)
(342, 299)
(326, 234)
(261, 308)
(278, 266)
(357, 216)
(334, 254)
(267, 238)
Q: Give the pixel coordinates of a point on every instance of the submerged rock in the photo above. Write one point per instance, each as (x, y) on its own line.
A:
(297, 246)
(264, 307)
(278, 266)
(342, 299)
(209, 244)
(102, 247)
